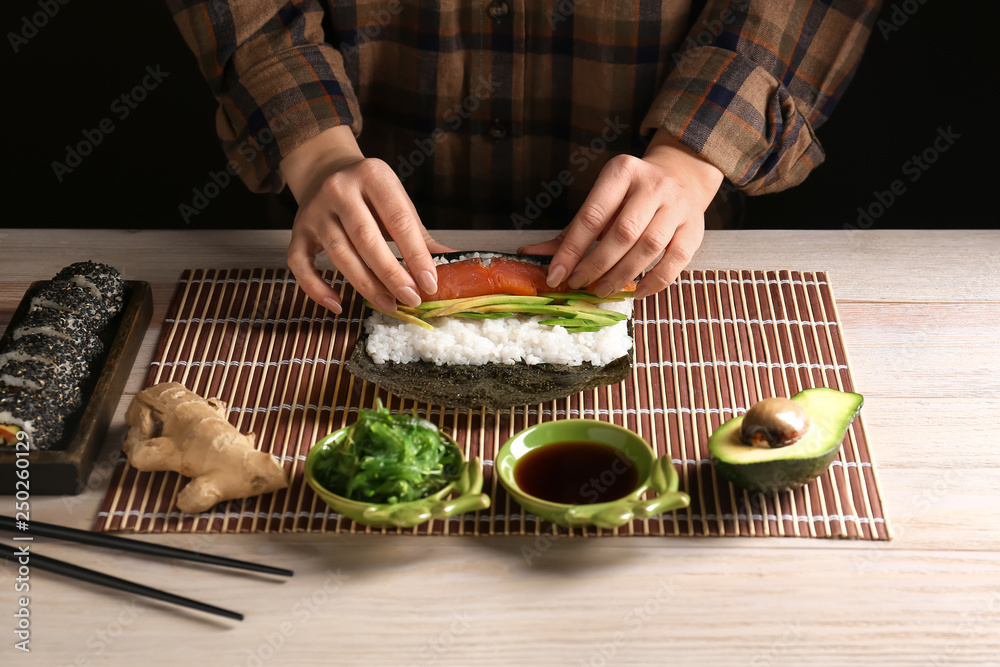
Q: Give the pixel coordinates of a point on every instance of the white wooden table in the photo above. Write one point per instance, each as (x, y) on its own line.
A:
(921, 317)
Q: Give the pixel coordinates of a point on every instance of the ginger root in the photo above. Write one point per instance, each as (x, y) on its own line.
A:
(172, 428)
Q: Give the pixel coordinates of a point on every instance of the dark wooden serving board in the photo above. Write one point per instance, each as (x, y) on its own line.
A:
(64, 468)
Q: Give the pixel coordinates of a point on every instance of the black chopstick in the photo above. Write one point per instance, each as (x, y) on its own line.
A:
(112, 542)
(101, 579)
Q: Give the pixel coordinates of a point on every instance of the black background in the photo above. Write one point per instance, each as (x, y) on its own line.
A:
(938, 70)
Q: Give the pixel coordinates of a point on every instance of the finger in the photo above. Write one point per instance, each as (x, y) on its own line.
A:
(685, 242)
(647, 250)
(631, 228)
(302, 261)
(345, 257)
(595, 214)
(392, 282)
(545, 247)
(436, 247)
(399, 217)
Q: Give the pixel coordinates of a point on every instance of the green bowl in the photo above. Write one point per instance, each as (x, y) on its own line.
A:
(467, 490)
(657, 474)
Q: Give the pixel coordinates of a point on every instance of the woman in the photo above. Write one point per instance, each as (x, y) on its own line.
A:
(616, 121)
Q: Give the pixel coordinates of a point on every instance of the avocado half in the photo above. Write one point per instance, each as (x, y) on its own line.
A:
(784, 468)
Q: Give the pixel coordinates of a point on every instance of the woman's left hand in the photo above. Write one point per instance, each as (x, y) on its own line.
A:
(637, 209)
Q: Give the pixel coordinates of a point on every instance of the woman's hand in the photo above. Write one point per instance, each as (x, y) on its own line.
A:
(348, 206)
(637, 210)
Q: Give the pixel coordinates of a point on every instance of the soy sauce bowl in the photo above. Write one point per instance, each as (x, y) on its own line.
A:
(654, 474)
(464, 494)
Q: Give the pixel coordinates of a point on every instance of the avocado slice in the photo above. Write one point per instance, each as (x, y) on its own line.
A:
(8, 434)
(402, 316)
(784, 468)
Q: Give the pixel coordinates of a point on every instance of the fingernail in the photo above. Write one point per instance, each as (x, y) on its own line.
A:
(331, 304)
(604, 288)
(641, 292)
(386, 303)
(408, 295)
(556, 275)
(427, 283)
(576, 281)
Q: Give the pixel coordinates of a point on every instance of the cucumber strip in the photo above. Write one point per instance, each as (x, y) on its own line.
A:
(474, 303)
(484, 316)
(403, 317)
(485, 300)
(572, 325)
(580, 321)
(590, 309)
(528, 310)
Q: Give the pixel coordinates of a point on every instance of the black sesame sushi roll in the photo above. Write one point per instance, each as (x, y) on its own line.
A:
(20, 370)
(83, 348)
(58, 323)
(72, 298)
(103, 281)
(36, 416)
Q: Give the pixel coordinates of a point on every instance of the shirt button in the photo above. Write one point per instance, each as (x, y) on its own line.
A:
(497, 130)
(498, 10)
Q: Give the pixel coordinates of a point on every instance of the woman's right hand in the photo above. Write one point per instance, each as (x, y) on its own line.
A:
(348, 206)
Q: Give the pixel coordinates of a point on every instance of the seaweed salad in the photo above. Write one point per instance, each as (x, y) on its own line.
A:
(389, 458)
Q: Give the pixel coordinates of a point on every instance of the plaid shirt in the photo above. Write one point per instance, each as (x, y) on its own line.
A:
(508, 109)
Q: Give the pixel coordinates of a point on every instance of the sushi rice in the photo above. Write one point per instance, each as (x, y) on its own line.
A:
(508, 340)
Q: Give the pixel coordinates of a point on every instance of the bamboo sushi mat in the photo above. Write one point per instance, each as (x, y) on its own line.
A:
(705, 349)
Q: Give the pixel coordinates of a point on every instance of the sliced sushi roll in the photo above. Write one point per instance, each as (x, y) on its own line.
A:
(19, 370)
(53, 352)
(72, 298)
(36, 416)
(103, 281)
(54, 322)
(83, 348)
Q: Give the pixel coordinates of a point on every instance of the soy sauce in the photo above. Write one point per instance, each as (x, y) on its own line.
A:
(576, 473)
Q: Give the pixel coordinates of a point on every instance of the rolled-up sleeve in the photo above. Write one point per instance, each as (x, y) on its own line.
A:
(277, 83)
(755, 78)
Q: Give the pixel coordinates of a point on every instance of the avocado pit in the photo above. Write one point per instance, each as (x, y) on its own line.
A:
(773, 423)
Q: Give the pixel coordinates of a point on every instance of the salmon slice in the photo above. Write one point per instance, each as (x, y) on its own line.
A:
(510, 276)
(470, 277)
(461, 279)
